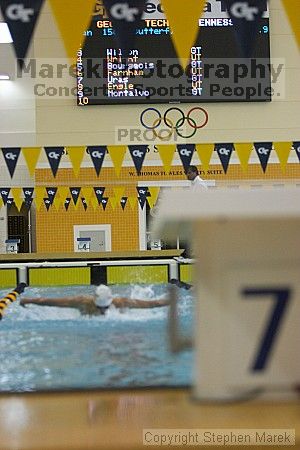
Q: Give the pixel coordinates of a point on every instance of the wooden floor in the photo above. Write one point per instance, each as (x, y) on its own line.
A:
(115, 419)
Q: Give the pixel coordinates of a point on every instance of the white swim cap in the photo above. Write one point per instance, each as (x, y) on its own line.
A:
(103, 296)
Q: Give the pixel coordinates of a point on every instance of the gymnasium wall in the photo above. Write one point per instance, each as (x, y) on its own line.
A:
(61, 122)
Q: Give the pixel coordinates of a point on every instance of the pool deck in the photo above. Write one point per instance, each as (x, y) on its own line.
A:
(78, 256)
(112, 420)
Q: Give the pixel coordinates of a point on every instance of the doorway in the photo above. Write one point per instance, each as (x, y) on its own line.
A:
(18, 227)
(100, 236)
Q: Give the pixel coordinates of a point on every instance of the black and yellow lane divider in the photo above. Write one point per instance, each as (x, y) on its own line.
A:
(11, 297)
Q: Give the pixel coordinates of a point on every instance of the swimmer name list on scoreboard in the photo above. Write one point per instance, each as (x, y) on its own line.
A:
(121, 70)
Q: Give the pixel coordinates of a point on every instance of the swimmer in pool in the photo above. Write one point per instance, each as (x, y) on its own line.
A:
(95, 304)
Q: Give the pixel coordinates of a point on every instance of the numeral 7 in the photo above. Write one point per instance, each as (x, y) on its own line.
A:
(281, 298)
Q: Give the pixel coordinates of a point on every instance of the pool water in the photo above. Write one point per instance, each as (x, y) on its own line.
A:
(50, 348)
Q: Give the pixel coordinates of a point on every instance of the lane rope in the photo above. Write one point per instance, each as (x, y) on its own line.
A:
(11, 297)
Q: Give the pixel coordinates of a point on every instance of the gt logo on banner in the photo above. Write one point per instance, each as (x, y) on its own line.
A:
(11, 156)
(138, 153)
(123, 202)
(99, 192)
(4, 194)
(19, 12)
(54, 155)
(75, 191)
(28, 193)
(126, 17)
(224, 151)
(51, 192)
(67, 203)
(104, 202)
(186, 153)
(97, 154)
(47, 203)
(263, 150)
(246, 16)
(143, 192)
(21, 17)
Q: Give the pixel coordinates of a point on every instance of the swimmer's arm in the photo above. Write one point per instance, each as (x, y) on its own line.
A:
(63, 302)
(123, 302)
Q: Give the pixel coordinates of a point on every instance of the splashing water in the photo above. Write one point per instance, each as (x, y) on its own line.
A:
(45, 348)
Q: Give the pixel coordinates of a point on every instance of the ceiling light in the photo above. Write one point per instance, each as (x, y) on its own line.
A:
(4, 76)
(5, 36)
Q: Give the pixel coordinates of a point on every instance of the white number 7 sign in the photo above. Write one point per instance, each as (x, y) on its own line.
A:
(263, 326)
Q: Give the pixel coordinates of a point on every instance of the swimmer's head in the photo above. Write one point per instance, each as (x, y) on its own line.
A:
(103, 297)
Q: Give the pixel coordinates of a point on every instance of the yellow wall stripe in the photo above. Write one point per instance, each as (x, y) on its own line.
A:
(186, 273)
(63, 276)
(137, 274)
(8, 278)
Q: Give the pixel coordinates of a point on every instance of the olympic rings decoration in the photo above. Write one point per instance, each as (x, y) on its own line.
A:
(178, 124)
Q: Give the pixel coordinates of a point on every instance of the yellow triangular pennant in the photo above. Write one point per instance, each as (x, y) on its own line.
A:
(76, 155)
(72, 18)
(1, 203)
(16, 194)
(94, 203)
(40, 193)
(283, 150)
(113, 202)
(205, 152)
(119, 192)
(132, 202)
(117, 153)
(244, 151)
(292, 8)
(87, 193)
(57, 202)
(154, 191)
(63, 192)
(166, 153)
(31, 156)
(184, 24)
(79, 202)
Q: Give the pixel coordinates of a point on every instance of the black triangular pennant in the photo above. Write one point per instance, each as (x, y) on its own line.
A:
(263, 150)
(67, 203)
(83, 200)
(142, 201)
(28, 202)
(54, 155)
(246, 18)
(123, 202)
(99, 191)
(186, 153)
(4, 194)
(97, 154)
(11, 156)
(21, 17)
(104, 202)
(28, 193)
(296, 146)
(143, 192)
(224, 151)
(51, 192)
(138, 153)
(9, 202)
(75, 191)
(126, 18)
(47, 203)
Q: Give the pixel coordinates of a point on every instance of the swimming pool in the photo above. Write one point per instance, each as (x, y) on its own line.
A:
(49, 348)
